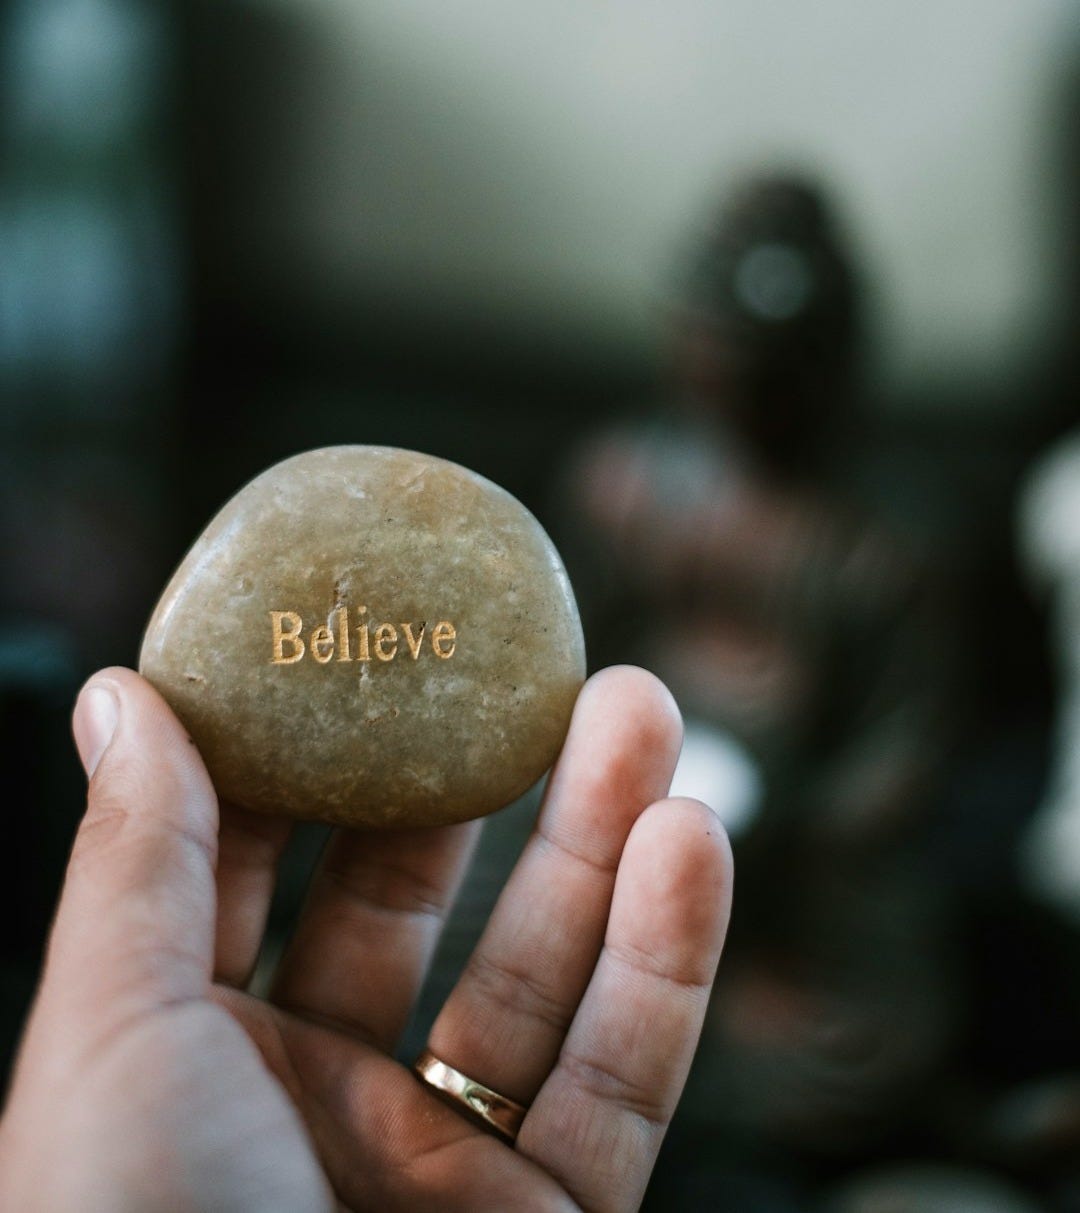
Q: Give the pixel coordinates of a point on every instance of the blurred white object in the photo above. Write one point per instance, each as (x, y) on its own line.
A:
(1050, 517)
(1049, 526)
(714, 768)
(929, 1188)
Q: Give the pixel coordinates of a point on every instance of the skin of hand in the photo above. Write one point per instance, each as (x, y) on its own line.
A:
(150, 1078)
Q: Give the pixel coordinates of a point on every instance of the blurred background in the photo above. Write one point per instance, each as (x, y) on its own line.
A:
(769, 312)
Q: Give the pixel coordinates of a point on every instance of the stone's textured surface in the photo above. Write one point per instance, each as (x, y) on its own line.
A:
(373, 637)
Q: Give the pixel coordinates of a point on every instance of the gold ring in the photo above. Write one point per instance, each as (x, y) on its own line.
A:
(488, 1106)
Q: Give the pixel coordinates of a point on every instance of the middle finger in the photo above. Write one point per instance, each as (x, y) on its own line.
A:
(369, 928)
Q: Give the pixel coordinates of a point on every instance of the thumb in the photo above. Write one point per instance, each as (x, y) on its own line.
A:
(135, 924)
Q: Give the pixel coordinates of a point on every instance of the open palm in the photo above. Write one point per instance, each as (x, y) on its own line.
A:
(150, 1078)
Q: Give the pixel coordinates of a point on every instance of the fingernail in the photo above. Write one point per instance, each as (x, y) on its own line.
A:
(97, 714)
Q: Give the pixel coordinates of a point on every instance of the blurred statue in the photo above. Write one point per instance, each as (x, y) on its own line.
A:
(723, 547)
(721, 542)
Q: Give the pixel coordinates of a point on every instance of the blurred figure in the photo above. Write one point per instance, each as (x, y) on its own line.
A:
(726, 549)
(722, 544)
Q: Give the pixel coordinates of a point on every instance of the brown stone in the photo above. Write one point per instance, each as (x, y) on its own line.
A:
(372, 637)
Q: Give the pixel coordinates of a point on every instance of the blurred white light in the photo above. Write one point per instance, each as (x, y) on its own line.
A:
(716, 769)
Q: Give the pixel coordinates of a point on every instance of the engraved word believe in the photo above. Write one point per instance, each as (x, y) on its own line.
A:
(288, 646)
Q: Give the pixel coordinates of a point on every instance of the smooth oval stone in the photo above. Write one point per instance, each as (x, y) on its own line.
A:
(372, 637)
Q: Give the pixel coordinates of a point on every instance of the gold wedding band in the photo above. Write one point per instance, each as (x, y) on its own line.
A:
(488, 1106)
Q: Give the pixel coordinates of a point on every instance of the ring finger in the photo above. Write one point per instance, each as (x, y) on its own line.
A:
(505, 1021)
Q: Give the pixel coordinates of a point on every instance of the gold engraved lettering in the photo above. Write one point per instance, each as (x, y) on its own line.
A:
(289, 645)
(385, 634)
(444, 632)
(362, 636)
(287, 627)
(414, 643)
(344, 651)
(322, 644)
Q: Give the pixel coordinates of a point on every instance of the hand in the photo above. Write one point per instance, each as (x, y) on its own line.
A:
(150, 1079)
